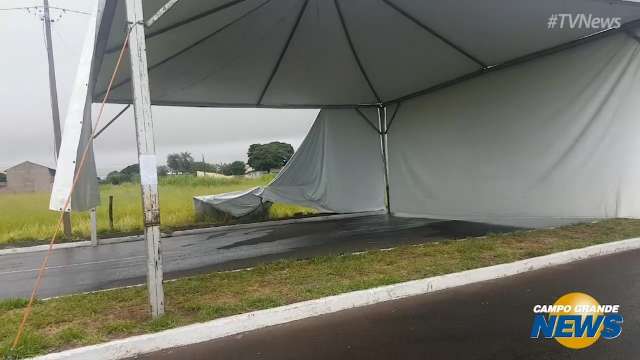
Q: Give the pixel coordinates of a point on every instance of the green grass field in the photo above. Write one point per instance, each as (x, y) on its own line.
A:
(25, 218)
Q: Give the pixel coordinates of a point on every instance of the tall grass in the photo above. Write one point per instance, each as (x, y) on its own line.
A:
(25, 218)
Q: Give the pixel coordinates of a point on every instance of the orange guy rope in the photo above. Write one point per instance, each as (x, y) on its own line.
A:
(43, 266)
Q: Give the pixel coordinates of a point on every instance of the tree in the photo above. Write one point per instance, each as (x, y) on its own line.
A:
(116, 178)
(173, 162)
(131, 170)
(264, 157)
(128, 174)
(237, 168)
(181, 163)
(234, 168)
(163, 170)
(206, 167)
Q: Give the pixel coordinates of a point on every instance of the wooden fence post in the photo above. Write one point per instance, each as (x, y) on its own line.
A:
(111, 213)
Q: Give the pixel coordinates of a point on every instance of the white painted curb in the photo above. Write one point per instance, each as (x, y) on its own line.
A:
(68, 245)
(214, 329)
(75, 244)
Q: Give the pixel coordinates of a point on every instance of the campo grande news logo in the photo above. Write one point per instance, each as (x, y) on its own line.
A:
(576, 320)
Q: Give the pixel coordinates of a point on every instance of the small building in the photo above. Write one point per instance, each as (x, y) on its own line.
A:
(255, 174)
(29, 177)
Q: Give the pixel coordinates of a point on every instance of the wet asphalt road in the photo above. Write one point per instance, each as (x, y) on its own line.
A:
(83, 269)
(489, 320)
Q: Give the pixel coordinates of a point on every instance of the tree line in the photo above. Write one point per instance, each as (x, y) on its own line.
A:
(261, 157)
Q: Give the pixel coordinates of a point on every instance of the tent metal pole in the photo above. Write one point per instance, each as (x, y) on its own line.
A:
(627, 27)
(382, 124)
(462, 51)
(146, 155)
(249, 105)
(191, 46)
(366, 119)
(283, 52)
(353, 50)
(111, 121)
(393, 117)
(163, 10)
(178, 24)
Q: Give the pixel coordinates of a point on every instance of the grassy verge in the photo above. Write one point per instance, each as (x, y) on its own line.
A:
(26, 220)
(87, 319)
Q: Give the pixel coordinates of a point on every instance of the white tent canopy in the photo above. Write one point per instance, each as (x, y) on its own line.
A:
(489, 113)
(322, 53)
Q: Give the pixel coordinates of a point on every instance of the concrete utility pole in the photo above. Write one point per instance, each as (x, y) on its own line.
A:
(146, 154)
(53, 92)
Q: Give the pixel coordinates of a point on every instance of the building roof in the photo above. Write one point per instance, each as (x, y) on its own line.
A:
(51, 171)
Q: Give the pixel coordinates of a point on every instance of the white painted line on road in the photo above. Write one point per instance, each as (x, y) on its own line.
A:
(36, 248)
(28, 249)
(72, 265)
(197, 333)
(69, 245)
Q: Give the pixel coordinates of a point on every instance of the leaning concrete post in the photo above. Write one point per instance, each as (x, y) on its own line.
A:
(146, 154)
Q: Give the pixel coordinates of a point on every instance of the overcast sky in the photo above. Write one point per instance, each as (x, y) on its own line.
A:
(222, 135)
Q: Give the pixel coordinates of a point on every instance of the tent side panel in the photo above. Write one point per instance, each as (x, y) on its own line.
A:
(551, 141)
(338, 167)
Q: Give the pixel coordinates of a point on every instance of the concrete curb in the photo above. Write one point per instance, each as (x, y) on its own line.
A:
(28, 249)
(69, 245)
(214, 329)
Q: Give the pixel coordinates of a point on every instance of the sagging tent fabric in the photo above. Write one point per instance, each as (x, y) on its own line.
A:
(337, 169)
(381, 53)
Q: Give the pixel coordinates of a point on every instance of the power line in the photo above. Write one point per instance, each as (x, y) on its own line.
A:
(61, 38)
(39, 7)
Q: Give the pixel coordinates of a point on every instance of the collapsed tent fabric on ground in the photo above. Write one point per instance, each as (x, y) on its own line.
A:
(236, 203)
(555, 139)
(337, 169)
